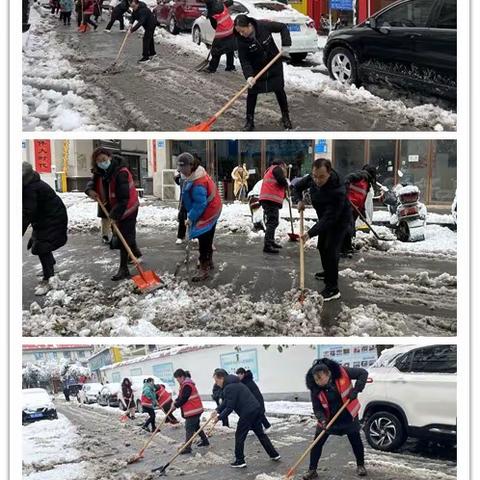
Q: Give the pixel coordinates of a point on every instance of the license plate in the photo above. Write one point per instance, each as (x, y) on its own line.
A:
(36, 415)
(294, 27)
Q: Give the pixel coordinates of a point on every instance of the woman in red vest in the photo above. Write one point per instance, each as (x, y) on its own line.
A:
(88, 8)
(272, 194)
(112, 182)
(330, 387)
(204, 205)
(191, 406)
(165, 402)
(224, 40)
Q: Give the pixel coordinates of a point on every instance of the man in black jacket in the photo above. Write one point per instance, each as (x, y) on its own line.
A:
(44, 210)
(238, 398)
(329, 200)
(146, 19)
(117, 13)
(246, 377)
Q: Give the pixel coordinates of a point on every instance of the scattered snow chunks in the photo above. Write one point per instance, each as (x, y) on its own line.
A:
(265, 476)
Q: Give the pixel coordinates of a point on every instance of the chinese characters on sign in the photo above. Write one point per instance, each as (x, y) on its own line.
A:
(43, 156)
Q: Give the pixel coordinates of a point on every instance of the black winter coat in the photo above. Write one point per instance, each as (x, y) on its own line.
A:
(256, 51)
(360, 175)
(45, 211)
(345, 423)
(145, 18)
(253, 387)
(329, 201)
(120, 10)
(237, 398)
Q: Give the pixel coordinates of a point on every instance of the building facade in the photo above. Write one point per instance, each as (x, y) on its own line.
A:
(56, 353)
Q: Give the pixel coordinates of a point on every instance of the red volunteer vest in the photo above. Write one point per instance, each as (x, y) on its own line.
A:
(357, 193)
(194, 405)
(163, 396)
(214, 202)
(133, 202)
(271, 190)
(146, 401)
(87, 7)
(224, 24)
(344, 386)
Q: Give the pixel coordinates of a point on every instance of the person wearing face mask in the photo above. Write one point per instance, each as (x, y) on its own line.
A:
(112, 184)
(203, 204)
(256, 48)
(330, 386)
(329, 199)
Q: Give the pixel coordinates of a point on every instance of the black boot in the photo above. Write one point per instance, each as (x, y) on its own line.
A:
(287, 124)
(202, 274)
(123, 271)
(249, 124)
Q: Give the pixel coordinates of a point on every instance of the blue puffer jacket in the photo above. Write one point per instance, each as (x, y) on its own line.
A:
(194, 199)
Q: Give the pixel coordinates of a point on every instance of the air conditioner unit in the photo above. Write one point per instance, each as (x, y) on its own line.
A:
(170, 190)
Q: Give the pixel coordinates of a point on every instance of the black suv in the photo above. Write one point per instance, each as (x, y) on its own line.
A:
(411, 43)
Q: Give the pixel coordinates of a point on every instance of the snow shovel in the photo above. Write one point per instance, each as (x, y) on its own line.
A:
(203, 64)
(140, 455)
(292, 235)
(146, 281)
(205, 126)
(124, 417)
(291, 472)
(302, 259)
(365, 221)
(162, 469)
(185, 262)
(110, 68)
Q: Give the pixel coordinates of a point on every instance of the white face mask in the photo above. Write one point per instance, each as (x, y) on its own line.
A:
(104, 165)
(183, 176)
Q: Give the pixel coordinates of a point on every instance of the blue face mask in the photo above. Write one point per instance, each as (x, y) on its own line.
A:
(104, 165)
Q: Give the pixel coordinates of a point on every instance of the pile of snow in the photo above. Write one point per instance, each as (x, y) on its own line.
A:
(82, 306)
(54, 95)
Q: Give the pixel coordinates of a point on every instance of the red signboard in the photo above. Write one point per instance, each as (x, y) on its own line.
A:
(43, 156)
(154, 156)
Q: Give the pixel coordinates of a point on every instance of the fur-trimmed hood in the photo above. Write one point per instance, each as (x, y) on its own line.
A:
(333, 366)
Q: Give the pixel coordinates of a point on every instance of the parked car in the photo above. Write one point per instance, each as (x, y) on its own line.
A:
(109, 395)
(412, 43)
(89, 392)
(302, 28)
(411, 391)
(178, 15)
(37, 405)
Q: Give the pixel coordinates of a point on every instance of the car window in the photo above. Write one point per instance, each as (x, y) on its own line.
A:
(404, 361)
(447, 17)
(412, 14)
(237, 8)
(275, 7)
(436, 359)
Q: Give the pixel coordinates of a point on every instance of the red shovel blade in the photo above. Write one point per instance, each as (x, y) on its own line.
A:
(203, 126)
(294, 237)
(147, 281)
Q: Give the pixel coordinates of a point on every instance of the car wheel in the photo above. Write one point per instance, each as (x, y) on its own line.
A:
(197, 35)
(298, 57)
(385, 431)
(403, 232)
(172, 26)
(342, 66)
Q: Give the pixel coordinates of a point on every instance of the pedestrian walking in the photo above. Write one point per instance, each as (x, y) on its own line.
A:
(217, 396)
(329, 199)
(144, 17)
(179, 179)
(358, 185)
(224, 40)
(149, 402)
(246, 377)
(165, 402)
(240, 181)
(122, 199)
(256, 48)
(44, 210)
(272, 194)
(54, 6)
(117, 12)
(191, 406)
(330, 386)
(128, 398)
(203, 204)
(79, 13)
(66, 11)
(97, 9)
(88, 8)
(239, 399)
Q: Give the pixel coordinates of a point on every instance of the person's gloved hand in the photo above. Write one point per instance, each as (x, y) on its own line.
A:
(286, 52)
(251, 82)
(93, 194)
(353, 394)
(322, 424)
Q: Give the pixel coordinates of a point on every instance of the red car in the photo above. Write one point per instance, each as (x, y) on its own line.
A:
(177, 15)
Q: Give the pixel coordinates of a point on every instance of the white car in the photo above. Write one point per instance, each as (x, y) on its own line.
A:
(37, 405)
(302, 28)
(89, 392)
(411, 391)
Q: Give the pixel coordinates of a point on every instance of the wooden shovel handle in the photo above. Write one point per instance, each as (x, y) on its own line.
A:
(122, 46)
(245, 88)
(292, 470)
(302, 252)
(162, 423)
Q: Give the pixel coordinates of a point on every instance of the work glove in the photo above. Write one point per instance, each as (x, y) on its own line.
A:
(322, 424)
(301, 206)
(93, 194)
(353, 394)
(251, 82)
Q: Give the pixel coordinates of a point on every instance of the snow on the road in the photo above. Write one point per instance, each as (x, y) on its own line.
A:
(49, 452)
(54, 95)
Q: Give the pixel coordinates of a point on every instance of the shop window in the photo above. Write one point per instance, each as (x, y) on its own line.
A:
(413, 164)
(348, 156)
(444, 171)
(381, 154)
(198, 147)
(251, 156)
(297, 153)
